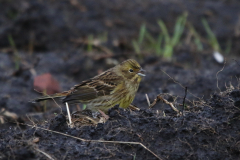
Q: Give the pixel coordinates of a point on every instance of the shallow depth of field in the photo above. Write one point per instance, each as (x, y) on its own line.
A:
(189, 49)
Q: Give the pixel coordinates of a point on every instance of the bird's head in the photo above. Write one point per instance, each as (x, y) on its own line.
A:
(131, 70)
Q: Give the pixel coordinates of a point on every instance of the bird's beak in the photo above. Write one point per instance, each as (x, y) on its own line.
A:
(141, 73)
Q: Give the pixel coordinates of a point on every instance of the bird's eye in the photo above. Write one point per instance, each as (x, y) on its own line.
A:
(130, 70)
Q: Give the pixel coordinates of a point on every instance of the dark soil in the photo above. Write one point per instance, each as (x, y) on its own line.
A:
(209, 127)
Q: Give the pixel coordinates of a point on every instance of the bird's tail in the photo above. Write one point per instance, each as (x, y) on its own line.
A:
(56, 95)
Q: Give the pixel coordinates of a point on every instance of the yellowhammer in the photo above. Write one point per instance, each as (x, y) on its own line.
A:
(117, 85)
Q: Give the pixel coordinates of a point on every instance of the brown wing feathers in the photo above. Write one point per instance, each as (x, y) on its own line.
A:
(88, 90)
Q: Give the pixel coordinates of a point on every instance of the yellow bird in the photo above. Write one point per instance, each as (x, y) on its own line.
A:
(116, 86)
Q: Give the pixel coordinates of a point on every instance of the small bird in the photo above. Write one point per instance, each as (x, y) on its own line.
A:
(115, 86)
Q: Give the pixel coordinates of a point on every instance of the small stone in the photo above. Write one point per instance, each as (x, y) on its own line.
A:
(46, 83)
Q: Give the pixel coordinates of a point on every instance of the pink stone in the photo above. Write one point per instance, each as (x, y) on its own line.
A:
(46, 82)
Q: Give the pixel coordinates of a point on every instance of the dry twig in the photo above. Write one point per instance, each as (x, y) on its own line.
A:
(133, 108)
(44, 153)
(219, 72)
(51, 98)
(159, 98)
(86, 140)
(184, 99)
(69, 116)
(147, 100)
(180, 85)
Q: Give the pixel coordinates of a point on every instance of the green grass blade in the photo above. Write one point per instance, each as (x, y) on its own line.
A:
(211, 36)
(15, 51)
(229, 46)
(164, 31)
(198, 44)
(150, 38)
(90, 43)
(11, 41)
(178, 30)
(197, 38)
(158, 48)
(136, 47)
(84, 106)
(168, 51)
(141, 34)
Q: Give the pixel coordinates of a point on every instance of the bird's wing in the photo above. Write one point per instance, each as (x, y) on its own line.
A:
(100, 85)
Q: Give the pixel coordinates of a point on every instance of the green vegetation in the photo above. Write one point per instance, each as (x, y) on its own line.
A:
(171, 42)
(16, 58)
(196, 36)
(164, 43)
(228, 46)
(213, 40)
(211, 36)
(84, 106)
(90, 43)
(137, 43)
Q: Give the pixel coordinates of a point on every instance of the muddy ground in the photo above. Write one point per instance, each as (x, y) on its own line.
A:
(46, 35)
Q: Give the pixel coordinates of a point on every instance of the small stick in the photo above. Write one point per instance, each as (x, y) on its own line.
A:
(180, 84)
(154, 102)
(236, 62)
(219, 72)
(134, 108)
(147, 100)
(103, 114)
(47, 155)
(69, 116)
(184, 99)
(164, 101)
(97, 141)
(169, 103)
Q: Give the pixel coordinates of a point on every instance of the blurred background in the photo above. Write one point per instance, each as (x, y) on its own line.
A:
(51, 45)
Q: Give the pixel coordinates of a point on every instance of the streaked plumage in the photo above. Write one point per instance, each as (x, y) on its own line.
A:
(117, 85)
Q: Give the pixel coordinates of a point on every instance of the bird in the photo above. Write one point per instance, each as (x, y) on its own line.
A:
(115, 86)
